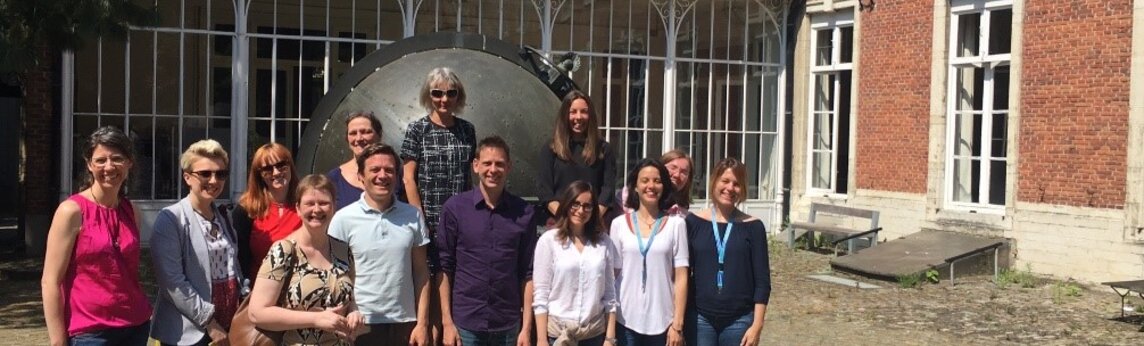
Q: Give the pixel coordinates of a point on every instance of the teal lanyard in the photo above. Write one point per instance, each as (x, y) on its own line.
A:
(721, 247)
(644, 248)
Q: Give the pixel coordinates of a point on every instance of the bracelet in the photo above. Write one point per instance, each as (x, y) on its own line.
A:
(612, 341)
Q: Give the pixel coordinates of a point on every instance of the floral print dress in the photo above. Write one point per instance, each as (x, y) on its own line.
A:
(309, 288)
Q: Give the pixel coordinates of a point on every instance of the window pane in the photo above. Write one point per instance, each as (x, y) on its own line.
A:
(1000, 31)
(970, 88)
(168, 175)
(824, 47)
(824, 92)
(969, 28)
(822, 131)
(966, 135)
(997, 182)
(820, 174)
(846, 48)
(966, 180)
(999, 136)
(1001, 88)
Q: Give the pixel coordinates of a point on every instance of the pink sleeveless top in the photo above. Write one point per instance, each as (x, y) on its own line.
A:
(102, 289)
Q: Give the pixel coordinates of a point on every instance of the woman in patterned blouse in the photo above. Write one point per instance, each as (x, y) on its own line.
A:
(316, 273)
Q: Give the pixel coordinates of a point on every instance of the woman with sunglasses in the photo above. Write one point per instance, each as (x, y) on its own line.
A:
(652, 261)
(575, 293)
(194, 252)
(577, 153)
(90, 286)
(729, 265)
(438, 151)
(362, 129)
(266, 212)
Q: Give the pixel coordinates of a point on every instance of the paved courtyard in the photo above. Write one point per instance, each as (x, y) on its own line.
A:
(975, 311)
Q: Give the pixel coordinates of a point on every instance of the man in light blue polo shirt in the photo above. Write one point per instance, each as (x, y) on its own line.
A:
(388, 239)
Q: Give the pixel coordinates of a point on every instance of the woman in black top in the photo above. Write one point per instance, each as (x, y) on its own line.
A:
(577, 153)
(730, 271)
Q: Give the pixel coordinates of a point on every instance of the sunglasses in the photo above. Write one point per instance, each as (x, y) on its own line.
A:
(438, 93)
(207, 175)
(281, 166)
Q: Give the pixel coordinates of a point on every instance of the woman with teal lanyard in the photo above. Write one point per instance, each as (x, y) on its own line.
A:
(730, 269)
(652, 262)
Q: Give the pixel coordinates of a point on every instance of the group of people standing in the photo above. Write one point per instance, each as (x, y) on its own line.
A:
(400, 247)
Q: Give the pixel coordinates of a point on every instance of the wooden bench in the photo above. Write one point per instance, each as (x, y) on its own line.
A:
(843, 233)
(1128, 287)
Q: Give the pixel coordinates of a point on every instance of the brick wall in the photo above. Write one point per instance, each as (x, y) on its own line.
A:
(40, 191)
(893, 96)
(1074, 106)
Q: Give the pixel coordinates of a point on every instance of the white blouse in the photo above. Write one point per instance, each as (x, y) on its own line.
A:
(573, 285)
(647, 307)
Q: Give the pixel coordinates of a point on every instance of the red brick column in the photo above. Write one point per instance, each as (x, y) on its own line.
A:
(40, 140)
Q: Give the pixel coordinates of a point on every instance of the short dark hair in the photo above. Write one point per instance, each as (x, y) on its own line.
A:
(493, 142)
(373, 122)
(371, 150)
(633, 200)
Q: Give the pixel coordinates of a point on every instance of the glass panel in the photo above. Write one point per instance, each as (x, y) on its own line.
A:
(966, 134)
(823, 92)
(997, 182)
(846, 48)
(966, 180)
(1000, 31)
(350, 52)
(969, 28)
(1000, 135)
(825, 44)
(83, 126)
(767, 172)
(820, 170)
(1001, 88)
(822, 135)
(167, 176)
(969, 88)
(770, 101)
(702, 164)
(751, 157)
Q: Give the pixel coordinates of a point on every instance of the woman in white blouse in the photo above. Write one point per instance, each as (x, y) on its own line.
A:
(574, 295)
(653, 257)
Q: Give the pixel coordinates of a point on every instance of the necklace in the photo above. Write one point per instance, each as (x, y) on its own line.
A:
(113, 228)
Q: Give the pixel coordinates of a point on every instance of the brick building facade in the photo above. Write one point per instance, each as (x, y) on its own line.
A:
(1010, 119)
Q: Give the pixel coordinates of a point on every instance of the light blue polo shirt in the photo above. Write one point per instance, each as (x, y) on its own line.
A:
(382, 243)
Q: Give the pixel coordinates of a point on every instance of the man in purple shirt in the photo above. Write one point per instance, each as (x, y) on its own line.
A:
(486, 239)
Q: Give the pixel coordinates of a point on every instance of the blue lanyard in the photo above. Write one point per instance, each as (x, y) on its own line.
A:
(720, 246)
(644, 249)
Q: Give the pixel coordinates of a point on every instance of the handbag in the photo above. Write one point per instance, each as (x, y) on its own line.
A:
(243, 332)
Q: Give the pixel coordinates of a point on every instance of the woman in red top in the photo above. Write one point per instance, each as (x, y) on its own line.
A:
(266, 211)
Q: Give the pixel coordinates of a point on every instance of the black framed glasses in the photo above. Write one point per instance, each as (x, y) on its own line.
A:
(208, 174)
(577, 206)
(281, 166)
(438, 93)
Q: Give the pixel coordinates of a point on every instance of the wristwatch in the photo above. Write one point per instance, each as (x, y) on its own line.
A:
(611, 341)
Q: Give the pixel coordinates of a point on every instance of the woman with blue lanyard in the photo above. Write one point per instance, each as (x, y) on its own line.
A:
(729, 265)
(652, 261)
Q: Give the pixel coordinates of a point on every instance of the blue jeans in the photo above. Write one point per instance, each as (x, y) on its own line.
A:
(699, 332)
(593, 341)
(128, 336)
(500, 338)
(630, 337)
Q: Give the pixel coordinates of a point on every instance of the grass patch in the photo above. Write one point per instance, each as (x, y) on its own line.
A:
(1019, 278)
(1063, 290)
(910, 280)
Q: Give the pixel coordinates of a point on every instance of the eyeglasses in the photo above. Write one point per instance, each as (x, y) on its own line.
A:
(438, 93)
(207, 175)
(115, 160)
(577, 206)
(281, 166)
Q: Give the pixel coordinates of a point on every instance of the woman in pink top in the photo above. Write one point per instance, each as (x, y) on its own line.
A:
(90, 286)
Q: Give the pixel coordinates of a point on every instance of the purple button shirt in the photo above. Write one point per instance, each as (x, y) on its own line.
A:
(489, 254)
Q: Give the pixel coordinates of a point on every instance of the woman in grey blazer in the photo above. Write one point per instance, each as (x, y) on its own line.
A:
(195, 254)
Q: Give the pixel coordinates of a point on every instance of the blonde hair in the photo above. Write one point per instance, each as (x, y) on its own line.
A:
(442, 75)
(204, 149)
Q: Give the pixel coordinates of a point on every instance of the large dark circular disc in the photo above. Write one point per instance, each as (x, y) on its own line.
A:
(505, 97)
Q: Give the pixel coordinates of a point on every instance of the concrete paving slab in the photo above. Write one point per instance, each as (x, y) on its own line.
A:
(842, 281)
(913, 254)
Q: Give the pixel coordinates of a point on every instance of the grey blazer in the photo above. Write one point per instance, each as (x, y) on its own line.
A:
(181, 264)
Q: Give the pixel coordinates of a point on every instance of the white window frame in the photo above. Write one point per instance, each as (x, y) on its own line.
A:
(988, 63)
(834, 22)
